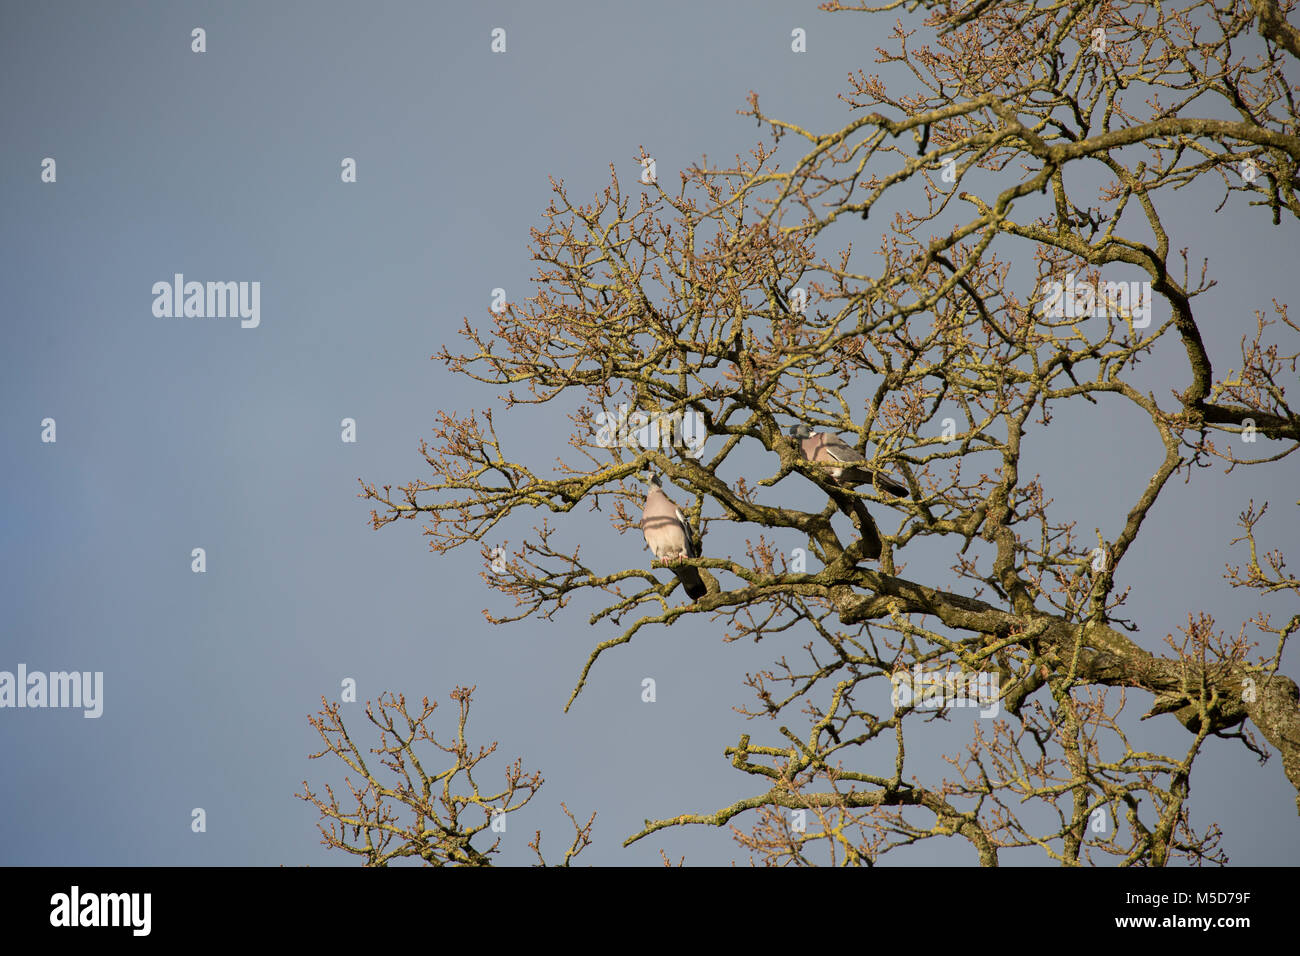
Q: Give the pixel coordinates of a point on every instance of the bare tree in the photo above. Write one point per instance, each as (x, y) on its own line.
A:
(1061, 128)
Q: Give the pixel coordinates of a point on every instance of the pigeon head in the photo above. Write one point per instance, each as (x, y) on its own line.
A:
(801, 431)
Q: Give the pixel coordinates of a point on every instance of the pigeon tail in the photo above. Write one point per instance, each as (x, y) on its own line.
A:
(692, 582)
(862, 476)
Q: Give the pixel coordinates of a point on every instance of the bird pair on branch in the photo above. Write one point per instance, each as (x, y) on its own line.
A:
(668, 535)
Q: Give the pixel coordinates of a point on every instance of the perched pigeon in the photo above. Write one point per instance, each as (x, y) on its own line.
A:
(669, 537)
(823, 446)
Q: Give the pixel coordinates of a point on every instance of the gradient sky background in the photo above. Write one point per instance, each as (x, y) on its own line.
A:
(176, 433)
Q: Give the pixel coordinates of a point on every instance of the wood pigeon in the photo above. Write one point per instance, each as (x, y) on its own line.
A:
(669, 536)
(823, 446)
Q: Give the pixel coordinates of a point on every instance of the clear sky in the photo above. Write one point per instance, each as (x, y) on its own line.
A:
(174, 434)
